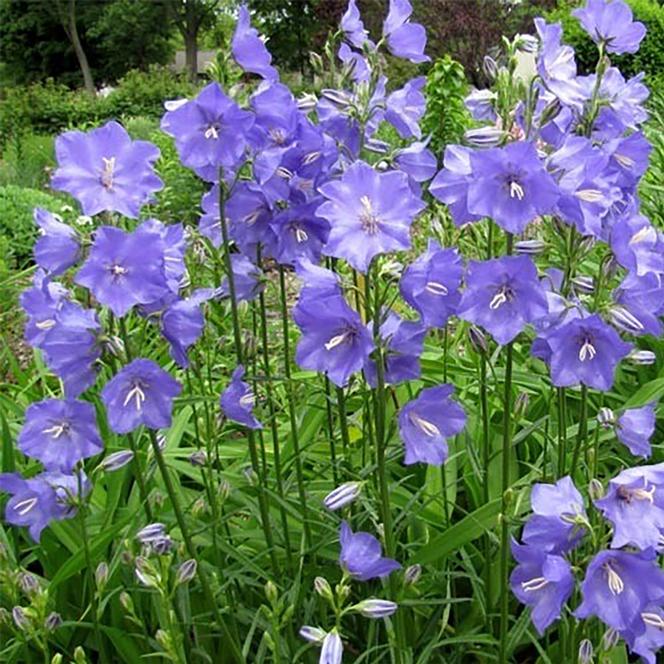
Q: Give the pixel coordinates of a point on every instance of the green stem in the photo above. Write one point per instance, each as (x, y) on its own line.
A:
(343, 424)
(330, 431)
(562, 431)
(230, 642)
(582, 431)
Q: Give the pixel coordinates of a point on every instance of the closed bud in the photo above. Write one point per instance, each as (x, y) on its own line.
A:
(529, 247)
(606, 418)
(526, 43)
(151, 532)
(484, 137)
(269, 641)
(199, 458)
(161, 441)
(126, 602)
(20, 617)
(323, 588)
(250, 476)
(162, 546)
(271, 592)
(28, 583)
(307, 102)
(116, 461)
(595, 489)
(79, 656)
(412, 574)
(624, 320)
(584, 284)
(376, 608)
(332, 651)
(521, 404)
(224, 490)
(53, 621)
(101, 575)
(610, 639)
(312, 634)
(146, 574)
(164, 640)
(343, 495)
(642, 357)
(316, 62)
(186, 572)
(549, 112)
(610, 267)
(199, 507)
(489, 67)
(478, 340)
(585, 652)
(340, 98)
(377, 146)
(114, 345)
(57, 659)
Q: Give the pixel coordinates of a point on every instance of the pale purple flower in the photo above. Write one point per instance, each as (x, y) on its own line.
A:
(610, 22)
(238, 401)
(41, 302)
(105, 170)
(140, 393)
(637, 245)
(300, 233)
(57, 248)
(404, 39)
(343, 495)
(648, 637)
(361, 555)
(426, 422)
(642, 297)
(247, 279)
(417, 161)
(376, 608)
(405, 107)
(635, 428)
(332, 650)
(249, 50)
(352, 26)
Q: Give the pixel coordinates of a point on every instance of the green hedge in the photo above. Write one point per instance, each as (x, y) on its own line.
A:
(650, 57)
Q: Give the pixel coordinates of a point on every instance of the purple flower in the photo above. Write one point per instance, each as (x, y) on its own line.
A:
(417, 161)
(40, 302)
(174, 250)
(628, 158)
(247, 279)
(352, 26)
(511, 186)
(503, 295)
(124, 269)
(403, 342)
(430, 284)
(557, 522)
(452, 183)
(622, 101)
(609, 22)
(643, 298)
(105, 170)
(370, 213)
(60, 433)
(585, 351)
(425, 424)
(361, 555)
(405, 108)
(210, 132)
(361, 71)
(300, 233)
(541, 580)
(182, 324)
(619, 586)
(404, 39)
(649, 636)
(318, 283)
(238, 401)
(249, 50)
(37, 501)
(637, 245)
(332, 648)
(141, 393)
(334, 339)
(634, 507)
(635, 428)
(57, 249)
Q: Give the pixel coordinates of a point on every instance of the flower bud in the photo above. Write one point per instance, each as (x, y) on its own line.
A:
(79, 656)
(162, 546)
(271, 592)
(199, 507)
(585, 652)
(610, 639)
(57, 659)
(624, 320)
(332, 651)
(161, 442)
(151, 532)
(101, 575)
(521, 404)
(126, 602)
(489, 67)
(549, 112)
(343, 495)
(376, 608)
(412, 575)
(340, 98)
(199, 458)
(224, 490)
(316, 62)
(377, 146)
(642, 357)
(114, 345)
(20, 617)
(526, 43)
(478, 340)
(186, 572)
(584, 284)
(312, 634)
(5, 616)
(529, 247)
(307, 102)
(164, 640)
(323, 588)
(484, 137)
(606, 418)
(28, 583)
(146, 574)
(53, 621)
(595, 489)
(250, 476)
(116, 461)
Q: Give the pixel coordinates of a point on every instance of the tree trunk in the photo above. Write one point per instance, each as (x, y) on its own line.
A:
(72, 33)
(191, 54)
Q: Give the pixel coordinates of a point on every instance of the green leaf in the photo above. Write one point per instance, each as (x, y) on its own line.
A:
(651, 391)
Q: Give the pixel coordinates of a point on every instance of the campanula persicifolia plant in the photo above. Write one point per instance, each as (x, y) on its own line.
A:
(380, 398)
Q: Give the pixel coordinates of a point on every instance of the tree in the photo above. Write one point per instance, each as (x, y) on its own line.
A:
(66, 12)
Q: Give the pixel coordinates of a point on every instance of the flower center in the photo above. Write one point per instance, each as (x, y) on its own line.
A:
(118, 270)
(627, 495)
(339, 339)
(212, 131)
(251, 218)
(107, 172)
(58, 430)
(368, 220)
(516, 190)
(654, 620)
(426, 427)
(534, 584)
(587, 350)
(248, 399)
(137, 394)
(300, 234)
(616, 585)
(504, 294)
(589, 195)
(278, 136)
(436, 288)
(25, 506)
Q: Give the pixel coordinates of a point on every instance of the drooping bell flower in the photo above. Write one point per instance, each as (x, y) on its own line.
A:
(125, 269)
(404, 39)
(60, 433)
(247, 279)
(361, 555)
(585, 351)
(637, 245)
(238, 401)
(426, 422)
(57, 248)
(370, 213)
(430, 284)
(648, 638)
(619, 586)
(503, 295)
(40, 302)
(610, 22)
(352, 26)
(405, 107)
(140, 393)
(643, 299)
(105, 170)
(542, 581)
(635, 427)
(249, 50)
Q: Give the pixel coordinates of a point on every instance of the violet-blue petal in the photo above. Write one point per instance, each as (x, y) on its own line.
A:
(361, 555)
(58, 247)
(248, 48)
(238, 400)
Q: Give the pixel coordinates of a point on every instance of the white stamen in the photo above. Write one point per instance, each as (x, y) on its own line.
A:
(25, 506)
(646, 234)
(368, 219)
(251, 219)
(108, 172)
(428, 428)
(336, 341)
(284, 173)
(57, 429)
(503, 295)
(135, 393)
(587, 351)
(310, 158)
(278, 136)
(516, 191)
(589, 195)
(436, 288)
(624, 160)
(616, 585)
(301, 234)
(212, 132)
(653, 619)
(248, 399)
(45, 324)
(117, 270)
(534, 584)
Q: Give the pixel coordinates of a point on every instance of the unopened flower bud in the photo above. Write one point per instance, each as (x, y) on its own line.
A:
(529, 247)
(549, 112)
(478, 340)
(114, 345)
(340, 98)
(624, 320)
(584, 284)
(332, 651)
(585, 652)
(323, 588)
(250, 476)
(224, 490)
(606, 418)
(316, 62)
(595, 489)
(312, 634)
(490, 67)
(377, 146)
(116, 461)
(162, 546)
(164, 640)
(161, 441)
(307, 102)
(186, 572)
(21, 619)
(271, 592)
(610, 639)
(376, 608)
(101, 575)
(79, 656)
(28, 583)
(610, 267)
(526, 43)
(412, 574)
(151, 532)
(199, 458)
(126, 602)
(642, 357)
(146, 574)
(521, 404)
(57, 658)
(199, 507)
(485, 137)
(53, 621)
(343, 495)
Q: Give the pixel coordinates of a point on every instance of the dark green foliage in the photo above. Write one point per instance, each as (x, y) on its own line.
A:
(446, 116)
(649, 58)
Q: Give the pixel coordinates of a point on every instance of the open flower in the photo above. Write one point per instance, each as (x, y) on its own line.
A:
(238, 401)
(140, 393)
(105, 170)
(57, 248)
(404, 39)
(425, 424)
(60, 433)
(609, 22)
(249, 50)
(635, 428)
(361, 555)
